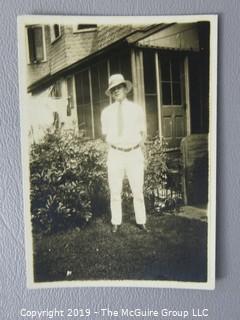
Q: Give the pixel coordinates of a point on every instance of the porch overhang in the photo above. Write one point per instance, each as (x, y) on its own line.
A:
(127, 40)
(164, 49)
(178, 37)
(50, 78)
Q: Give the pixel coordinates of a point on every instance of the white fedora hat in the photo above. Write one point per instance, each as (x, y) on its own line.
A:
(115, 80)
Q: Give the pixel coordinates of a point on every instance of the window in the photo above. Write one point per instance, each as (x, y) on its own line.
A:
(171, 79)
(84, 27)
(36, 44)
(55, 32)
(91, 85)
(55, 91)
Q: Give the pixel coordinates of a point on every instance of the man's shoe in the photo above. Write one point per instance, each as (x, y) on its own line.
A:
(114, 228)
(143, 227)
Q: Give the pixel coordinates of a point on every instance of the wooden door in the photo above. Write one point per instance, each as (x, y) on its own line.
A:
(173, 106)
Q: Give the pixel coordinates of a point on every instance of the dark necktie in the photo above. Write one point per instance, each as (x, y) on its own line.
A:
(119, 119)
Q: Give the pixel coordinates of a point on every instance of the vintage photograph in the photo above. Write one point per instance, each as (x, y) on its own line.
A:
(118, 120)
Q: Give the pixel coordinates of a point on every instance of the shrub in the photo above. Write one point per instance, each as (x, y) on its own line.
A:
(68, 177)
(155, 171)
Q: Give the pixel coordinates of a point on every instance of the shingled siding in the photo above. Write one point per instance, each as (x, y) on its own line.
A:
(108, 34)
(74, 46)
(81, 44)
(55, 58)
(57, 52)
(37, 71)
(42, 69)
(78, 44)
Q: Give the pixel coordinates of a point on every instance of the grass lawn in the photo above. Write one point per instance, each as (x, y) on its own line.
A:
(175, 249)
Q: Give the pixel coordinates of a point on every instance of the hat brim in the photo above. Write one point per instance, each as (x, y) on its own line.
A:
(126, 82)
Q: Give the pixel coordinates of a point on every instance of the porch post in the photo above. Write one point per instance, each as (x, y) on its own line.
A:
(141, 81)
(138, 78)
(108, 75)
(187, 95)
(159, 97)
(134, 74)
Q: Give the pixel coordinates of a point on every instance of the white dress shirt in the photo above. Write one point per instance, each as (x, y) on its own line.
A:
(133, 124)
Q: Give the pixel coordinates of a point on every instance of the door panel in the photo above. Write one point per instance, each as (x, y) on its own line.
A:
(180, 130)
(173, 112)
(174, 125)
(167, 127)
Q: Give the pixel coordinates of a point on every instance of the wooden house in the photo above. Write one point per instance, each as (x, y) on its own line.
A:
(68, 67)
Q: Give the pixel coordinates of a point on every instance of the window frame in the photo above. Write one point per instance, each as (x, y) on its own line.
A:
(56, 90)
(172, 82)
(29, 62)
(52, 33)
(90, 29)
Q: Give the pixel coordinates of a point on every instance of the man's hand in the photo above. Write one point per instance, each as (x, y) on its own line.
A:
(143, 139)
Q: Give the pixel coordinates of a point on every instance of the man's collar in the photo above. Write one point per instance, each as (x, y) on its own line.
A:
(122, 102)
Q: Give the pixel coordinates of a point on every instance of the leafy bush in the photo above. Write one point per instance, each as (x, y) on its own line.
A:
(155, 164)
(155, 178)
(68, 177)
(69, 180)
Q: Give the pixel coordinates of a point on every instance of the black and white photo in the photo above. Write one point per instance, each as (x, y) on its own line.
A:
(118, 120)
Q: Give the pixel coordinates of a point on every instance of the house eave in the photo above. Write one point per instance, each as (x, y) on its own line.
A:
(159, 48)
(130, 40)
(50, 78)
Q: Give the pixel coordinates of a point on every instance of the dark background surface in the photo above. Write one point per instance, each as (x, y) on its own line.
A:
(223, 301)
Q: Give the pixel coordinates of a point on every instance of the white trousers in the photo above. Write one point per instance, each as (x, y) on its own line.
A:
(132, 164)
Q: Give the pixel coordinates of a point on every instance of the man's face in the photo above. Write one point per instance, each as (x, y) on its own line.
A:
(119, 92)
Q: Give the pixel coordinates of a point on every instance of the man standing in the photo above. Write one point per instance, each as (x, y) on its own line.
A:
(123, 124)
